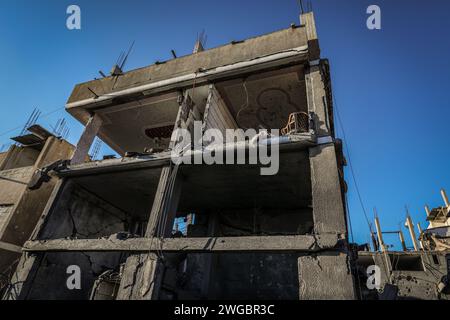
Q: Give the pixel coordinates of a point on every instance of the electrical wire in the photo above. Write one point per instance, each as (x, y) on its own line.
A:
(246, 104)
(41, 117)
(358, 192)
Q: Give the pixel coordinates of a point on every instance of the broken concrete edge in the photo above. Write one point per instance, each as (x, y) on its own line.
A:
(307, 243)
(164, 158)
(317, 270)
(10, 247)
(250, 49)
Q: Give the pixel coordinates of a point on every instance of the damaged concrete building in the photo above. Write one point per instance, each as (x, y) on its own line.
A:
(21, 207)
(249, 236)
(421, 272)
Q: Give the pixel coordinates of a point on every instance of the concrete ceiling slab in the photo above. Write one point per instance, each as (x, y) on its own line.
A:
(131, 191)
(265, 100)
(242, 186)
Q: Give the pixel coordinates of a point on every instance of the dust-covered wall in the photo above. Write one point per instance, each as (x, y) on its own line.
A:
(81, 214)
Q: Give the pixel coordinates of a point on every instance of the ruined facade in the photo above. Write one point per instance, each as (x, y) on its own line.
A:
(20, 207)
(420, 272)
(248, 236)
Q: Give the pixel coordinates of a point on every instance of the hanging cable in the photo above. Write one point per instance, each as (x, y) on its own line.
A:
(246, 104)
(351, 166)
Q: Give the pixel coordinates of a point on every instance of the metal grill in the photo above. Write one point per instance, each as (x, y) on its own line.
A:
(298, 123)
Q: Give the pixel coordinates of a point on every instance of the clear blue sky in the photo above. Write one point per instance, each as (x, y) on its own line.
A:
(391, 86)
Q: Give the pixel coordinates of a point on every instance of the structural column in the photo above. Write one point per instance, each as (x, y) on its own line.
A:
(87, 138)
(143, 273)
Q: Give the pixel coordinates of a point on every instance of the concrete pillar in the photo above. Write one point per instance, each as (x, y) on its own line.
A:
(143, 273)
(317, 99)
(427, 210)
(380, 235)
(198, 47)
(420, 232)
(445, 198)
(86, 140)
(210, 261)
(307, 19)
(402, 240)
(412, 233)
(326, 276)
(327, 201)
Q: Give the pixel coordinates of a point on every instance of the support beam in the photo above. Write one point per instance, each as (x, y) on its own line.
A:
(143, 272)
(303, 243)
(317, 99)
(402, 240)
(87, 138)
(380, 235)
(445, 198)
(427, 210)
(10, 247)
(327, 200)
(412, 233)
(307, 19)
(420, 232)
(210, 260)
(326, 276)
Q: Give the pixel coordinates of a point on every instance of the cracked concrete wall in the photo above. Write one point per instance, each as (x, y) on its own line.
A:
(19, 157)
(2, 157)
(234, 276)
(411, 284)
(326, 276)
(284, 276)
(80, 214)
(13, 183)
(266, 222)
(50, 275)
(328, 206)
(235, 223)
(140, 280)
(255, 276)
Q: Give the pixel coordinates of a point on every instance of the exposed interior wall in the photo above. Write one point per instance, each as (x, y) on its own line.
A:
(237, 201)
(232, 276)
(102, 205)
(265, 100)
(8, 264)
(80, 214)
(50, 278)
(246, 202)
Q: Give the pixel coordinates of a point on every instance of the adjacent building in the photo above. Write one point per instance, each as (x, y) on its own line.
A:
(20, 207)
